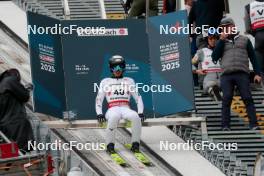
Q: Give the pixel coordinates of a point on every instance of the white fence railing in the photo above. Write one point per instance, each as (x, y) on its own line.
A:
(102, 9)
(66, 9)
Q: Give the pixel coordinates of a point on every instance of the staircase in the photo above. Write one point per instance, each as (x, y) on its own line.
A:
(114, 9)
(79, 9)
(250, 143)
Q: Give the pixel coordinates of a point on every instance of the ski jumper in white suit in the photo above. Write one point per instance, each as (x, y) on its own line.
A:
(117, 92)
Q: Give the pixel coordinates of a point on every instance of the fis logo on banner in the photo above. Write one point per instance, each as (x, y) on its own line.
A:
(102, 31)
(169, 56)
(47, 58)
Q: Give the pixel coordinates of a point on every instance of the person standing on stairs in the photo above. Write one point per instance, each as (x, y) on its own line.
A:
(233, 51)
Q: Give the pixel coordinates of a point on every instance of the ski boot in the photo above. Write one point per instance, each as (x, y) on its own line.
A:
(215, 92)
(135, 147)
(110, 148)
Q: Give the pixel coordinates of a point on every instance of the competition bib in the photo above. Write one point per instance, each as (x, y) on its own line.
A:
(257, 15)
(118, 95)
(208, 64)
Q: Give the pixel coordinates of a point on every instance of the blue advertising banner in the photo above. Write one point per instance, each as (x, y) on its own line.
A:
(86, 61)
(46, 65)
(170, 60)
(155, 61)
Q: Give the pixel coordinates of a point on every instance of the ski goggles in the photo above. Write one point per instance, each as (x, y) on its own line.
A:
(117, 68)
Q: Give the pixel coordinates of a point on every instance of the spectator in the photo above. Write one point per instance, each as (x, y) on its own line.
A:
(234, 51)
(206, 67)
(205, 12)
(13, 117)
(188, 5)
(138, 7)
(254, 22)
(169, 6)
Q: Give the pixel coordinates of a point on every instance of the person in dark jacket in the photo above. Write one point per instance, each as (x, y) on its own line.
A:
(234, 51)
(13, 117)
(138, 7)
(205, 12)
(169, 6)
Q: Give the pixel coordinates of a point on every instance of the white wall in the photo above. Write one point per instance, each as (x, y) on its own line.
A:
(15, 18)
(237, 12)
